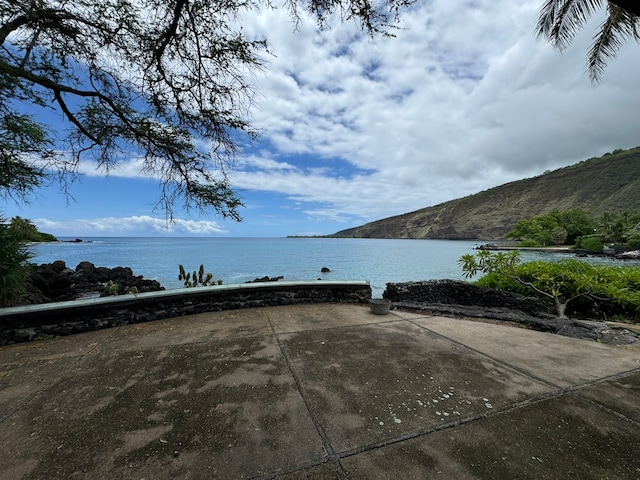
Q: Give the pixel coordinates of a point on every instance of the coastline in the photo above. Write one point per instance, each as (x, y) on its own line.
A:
(556, 249)
(632, 255)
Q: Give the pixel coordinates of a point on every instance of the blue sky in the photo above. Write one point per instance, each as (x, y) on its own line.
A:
(354, 129)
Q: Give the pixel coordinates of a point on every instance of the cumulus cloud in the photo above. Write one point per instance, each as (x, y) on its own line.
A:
(127, 226)
(464, 98)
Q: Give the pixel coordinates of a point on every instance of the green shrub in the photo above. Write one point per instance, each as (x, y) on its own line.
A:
(559, 235)
(633, 239)
(111, 288)
(15, 269)
(583, 289)
(590, 243)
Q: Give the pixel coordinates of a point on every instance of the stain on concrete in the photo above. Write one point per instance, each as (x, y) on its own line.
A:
(560, 438)
(329, 399)
(139, 411)
(621, 395)
(388, 380)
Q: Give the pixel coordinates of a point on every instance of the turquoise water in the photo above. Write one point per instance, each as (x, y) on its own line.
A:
(236, 260)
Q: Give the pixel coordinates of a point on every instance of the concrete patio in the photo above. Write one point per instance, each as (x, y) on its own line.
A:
(324, 391)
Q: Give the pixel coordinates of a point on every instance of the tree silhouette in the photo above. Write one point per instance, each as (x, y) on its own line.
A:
(163, 80)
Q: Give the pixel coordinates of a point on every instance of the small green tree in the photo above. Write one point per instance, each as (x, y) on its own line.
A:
(559, 235)
(533, 232)
(605, 227)
(560, 283)
(543, 230)
(14, 267)
(590, 243)
(633, 239)
(576, 222)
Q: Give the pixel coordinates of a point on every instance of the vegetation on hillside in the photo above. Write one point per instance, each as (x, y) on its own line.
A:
(576, 227)
(26, 231)
(569, 286)
(605, 184)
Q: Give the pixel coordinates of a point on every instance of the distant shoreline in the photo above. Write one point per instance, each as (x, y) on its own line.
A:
(556, 249)
(564, 249)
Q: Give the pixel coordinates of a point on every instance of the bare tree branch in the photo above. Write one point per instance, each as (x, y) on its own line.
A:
(165, 80)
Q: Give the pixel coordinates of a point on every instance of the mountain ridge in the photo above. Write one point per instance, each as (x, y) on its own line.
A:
(609, 183)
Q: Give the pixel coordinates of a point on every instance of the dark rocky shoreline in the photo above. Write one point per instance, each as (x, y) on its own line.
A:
(56, 282)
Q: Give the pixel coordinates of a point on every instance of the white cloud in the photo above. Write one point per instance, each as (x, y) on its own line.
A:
(128, 168)
(326, 214)
(463, 99)
(264, 163)
(127, 226)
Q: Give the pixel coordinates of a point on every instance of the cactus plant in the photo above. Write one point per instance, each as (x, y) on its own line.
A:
(111, 288)
(197, 278)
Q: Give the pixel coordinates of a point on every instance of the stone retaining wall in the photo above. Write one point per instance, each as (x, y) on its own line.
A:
(454, 298)
(451, 292)
(27, 323)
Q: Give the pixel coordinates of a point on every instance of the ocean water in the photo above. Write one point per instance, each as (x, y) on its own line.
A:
(236, 260)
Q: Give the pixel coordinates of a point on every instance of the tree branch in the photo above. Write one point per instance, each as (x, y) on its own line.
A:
(57, 89)
(45, 82)
(52, 19)
(171, 31)
(72, 118)
(530, 285)
(13, 25)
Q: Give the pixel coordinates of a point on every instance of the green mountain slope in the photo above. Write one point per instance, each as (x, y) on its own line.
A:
(609, 183)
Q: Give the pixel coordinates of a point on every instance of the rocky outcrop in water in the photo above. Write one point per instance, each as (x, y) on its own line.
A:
(266, 278)
(55, 282)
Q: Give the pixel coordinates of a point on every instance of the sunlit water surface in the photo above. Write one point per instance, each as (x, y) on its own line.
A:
(236, 260)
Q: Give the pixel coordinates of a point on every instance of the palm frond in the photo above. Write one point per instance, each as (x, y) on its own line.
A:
(547, 18)
(559, 20)
(619, 26)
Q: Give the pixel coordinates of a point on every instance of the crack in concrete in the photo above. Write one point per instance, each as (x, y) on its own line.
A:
(331, 455)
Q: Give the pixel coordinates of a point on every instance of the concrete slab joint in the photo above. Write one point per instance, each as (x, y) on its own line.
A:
(318, 391)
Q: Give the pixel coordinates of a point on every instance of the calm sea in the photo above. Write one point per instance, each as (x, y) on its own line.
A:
(236, 260)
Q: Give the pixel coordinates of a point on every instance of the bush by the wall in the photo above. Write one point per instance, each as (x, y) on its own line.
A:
(609, 290)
